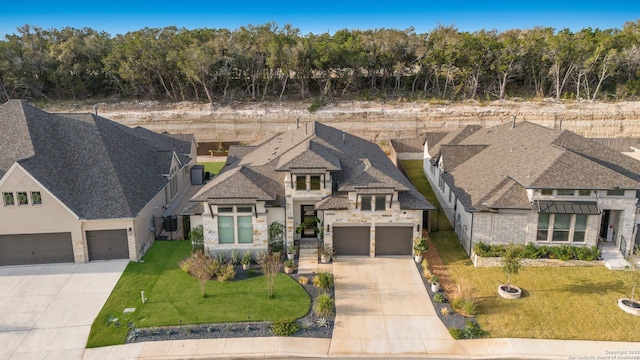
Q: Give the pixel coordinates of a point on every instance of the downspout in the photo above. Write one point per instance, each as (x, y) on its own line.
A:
(471, 235)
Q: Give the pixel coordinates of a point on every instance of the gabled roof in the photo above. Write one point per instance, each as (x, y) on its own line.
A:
(98, 168)
(492, 167)
(354, 163)
(308, 155)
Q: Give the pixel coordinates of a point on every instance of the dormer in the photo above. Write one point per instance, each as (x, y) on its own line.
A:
(308, 166)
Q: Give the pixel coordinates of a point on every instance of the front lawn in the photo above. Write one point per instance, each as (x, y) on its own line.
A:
(557, 303)
(173, 297)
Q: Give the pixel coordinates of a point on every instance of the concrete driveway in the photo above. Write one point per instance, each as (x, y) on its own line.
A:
(46, 311)
(382, 308)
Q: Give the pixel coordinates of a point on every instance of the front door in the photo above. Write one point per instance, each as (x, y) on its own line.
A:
(309, 220)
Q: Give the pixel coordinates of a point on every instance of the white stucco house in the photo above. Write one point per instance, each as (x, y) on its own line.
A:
(79, 187)
(365, 205)
(526, 183)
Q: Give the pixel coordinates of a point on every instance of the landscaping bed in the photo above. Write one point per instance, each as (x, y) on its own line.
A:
(310, 326)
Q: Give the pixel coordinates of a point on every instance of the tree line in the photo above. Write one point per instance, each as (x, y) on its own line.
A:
(268, 62)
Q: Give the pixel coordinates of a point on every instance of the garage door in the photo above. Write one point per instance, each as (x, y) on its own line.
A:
(108, 244)
(394, 240)
(352, 240)
(25, 249)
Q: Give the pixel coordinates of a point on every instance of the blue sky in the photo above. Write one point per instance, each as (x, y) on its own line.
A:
(120, 16)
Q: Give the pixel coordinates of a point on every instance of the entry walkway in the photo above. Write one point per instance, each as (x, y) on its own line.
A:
(382, 311)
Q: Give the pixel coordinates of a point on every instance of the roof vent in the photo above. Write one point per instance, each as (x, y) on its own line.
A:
(297, 123)
(344, 138)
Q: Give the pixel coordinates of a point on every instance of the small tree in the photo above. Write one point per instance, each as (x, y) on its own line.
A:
(202, 268)
(511, 263)
(197, 238)
(270, 268)
(634, 271)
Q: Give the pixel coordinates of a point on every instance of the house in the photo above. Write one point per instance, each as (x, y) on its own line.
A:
(526, 183)
(337, 185)
(79, 187)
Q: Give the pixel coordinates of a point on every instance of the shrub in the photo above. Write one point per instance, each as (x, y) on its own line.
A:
(323, 305)
(322, 322)
(439, 298)
(323, 280)
(469, 306)
(445, 311)
(455, 333)
(226, 272)
(235, 257)
(246, 258)
(220, 257)
(305, 324)
(471, 330)
(303, 280)
(485, 250)
(200, 267)
(284, 327)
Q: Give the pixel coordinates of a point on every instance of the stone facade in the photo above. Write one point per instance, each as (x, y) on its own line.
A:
(520, 226)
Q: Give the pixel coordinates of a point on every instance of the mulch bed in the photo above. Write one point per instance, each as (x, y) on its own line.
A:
(309, 327)
(453, 319)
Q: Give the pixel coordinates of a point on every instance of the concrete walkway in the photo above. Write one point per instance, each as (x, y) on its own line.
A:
(382, 311)
(46, 311)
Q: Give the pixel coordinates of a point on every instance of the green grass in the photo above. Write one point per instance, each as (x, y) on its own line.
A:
(557, 303)
(414, 170)
(213, 167)
(174, 296)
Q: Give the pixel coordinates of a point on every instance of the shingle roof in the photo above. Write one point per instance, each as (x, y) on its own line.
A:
(533, 157)
(96, 167)
(353, 162)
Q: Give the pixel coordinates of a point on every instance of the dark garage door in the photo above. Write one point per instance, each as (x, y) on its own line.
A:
(108, 244)
(352, 240)
(25, 249)
(394, 240)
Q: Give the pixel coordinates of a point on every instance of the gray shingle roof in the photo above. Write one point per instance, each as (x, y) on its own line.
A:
(96, 167)
(353, 162)
(533, 157)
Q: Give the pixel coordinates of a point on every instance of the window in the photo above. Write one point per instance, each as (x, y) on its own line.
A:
(301, 182)
(8, 199)
(36, 198)
(226, 233)
(562, 227)
(449, 195)
(584, 192)
(380, 202)
(548, 192)
(543, 227)
(22, 198)
(235, 225)
(565, 192)
(365, 203)
(433, 168)
(616, 192)
(580, 228)
(315, 182)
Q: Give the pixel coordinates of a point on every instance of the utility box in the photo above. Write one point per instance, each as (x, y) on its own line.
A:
(197, 175)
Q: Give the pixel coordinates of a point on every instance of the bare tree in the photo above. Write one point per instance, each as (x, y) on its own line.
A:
(270, 268)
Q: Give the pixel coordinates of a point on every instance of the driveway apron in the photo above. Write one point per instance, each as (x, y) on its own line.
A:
(46, 311)
(382, 307)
